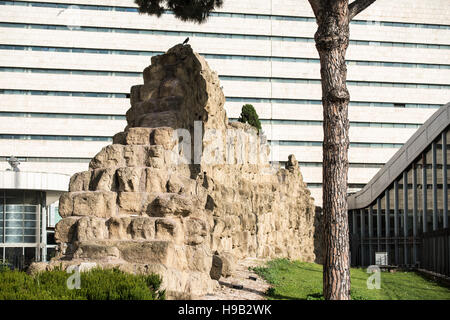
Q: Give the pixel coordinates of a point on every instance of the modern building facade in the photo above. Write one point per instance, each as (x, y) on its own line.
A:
(28, 214)
(404, 210)
(66, 67)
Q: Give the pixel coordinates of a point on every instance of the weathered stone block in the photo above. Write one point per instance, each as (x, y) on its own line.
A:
(170, 103)
(130, 179)
(65, 229)
(96, 251)
(132, 201)
(156, 151)
(216, 268)
(138, 136)
(118, 228)
(135, 94)
(170, 203)
(168, 229)
(172, 87)
(103, 180)
(156, 180)
(100, 204)
(163, 136)
(91, 228)
(142, 228)
(80, 181)
(174, 185)
(149, 90)
(195, 230)
(199, 258)
(149, 252)
(65, 208)
(228, 263)
(135, 155)
(153, 72)
(156, 163)
(109, 156)
(159, 119)
(119, 138)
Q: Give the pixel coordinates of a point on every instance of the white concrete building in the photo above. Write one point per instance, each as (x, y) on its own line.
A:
(67, 65)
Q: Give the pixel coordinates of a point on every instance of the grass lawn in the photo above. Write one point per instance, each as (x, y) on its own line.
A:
(302, 280)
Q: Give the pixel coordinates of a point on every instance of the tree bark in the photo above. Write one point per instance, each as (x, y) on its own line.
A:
(332, 39)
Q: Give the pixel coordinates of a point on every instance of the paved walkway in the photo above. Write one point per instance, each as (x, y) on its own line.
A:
(251, 289)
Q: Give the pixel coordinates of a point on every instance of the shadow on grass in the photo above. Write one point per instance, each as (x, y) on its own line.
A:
(271, 293)
(229, 285)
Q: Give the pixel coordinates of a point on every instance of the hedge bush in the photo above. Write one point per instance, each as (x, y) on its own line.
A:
(96, 284)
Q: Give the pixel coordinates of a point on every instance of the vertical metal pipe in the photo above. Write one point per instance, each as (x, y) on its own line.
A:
(4, 221)
(38, 235)
(396, 220)
(44, 234)
(424, 193)
(354, 247)
(405, 215)
(387, 223)
(414, 168)
(363, 236)
(379, 234)
(370, 225)
(387, 213)
(444, 178)
(405, 203)
(434, 179)
(396, 208)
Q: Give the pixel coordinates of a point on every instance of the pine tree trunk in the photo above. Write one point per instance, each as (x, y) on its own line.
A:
(332, 38)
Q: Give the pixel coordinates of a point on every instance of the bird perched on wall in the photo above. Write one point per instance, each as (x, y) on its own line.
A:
(186, 41)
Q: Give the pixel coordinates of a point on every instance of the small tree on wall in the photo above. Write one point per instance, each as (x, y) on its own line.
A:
(249, 115)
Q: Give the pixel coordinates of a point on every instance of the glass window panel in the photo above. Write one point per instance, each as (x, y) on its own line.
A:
(13, 223)
(29, 224)
(387, 215)
(374, 219)
(410, 200)
(14, 216)
(401, 207)
(30, 217)
(366, 222)
(391, 209)
(439, 181)
(418, 165)
(13, 231)
(14, 207)
(13, 239)
(383, 216)
(29, 232)
(30, 239)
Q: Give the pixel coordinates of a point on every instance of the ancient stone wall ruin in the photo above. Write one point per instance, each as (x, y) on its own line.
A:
(142, 206)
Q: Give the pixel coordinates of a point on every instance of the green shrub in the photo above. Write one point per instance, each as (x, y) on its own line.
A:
(4, 266)
(249, 115)
(96, 284)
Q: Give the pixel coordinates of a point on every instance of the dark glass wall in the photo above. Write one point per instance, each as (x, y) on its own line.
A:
(413, 207)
